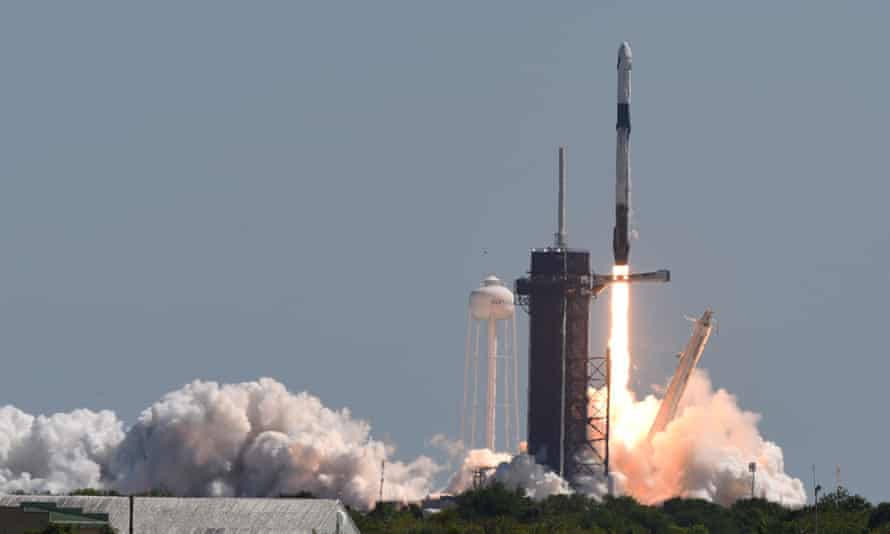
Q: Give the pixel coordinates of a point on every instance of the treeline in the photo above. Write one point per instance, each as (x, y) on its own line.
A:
(496, 510)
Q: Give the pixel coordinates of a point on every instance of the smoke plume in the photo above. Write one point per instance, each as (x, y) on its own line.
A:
(258, 439)
(56, 453)
(704, 453)
(207, 439)
(514, 472)
(474, 460)
(535, 479)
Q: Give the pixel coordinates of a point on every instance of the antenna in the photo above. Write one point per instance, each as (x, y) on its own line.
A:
(560, 237)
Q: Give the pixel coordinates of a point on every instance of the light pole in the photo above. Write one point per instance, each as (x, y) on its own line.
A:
(816, 491)
(752, 467)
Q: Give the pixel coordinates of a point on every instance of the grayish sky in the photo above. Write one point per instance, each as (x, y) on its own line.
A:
(304, 191)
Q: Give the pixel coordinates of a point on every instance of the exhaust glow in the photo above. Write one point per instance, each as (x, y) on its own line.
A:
(629, 424)
(619, 332)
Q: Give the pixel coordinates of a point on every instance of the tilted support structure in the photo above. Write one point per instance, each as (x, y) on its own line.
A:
(689, 359)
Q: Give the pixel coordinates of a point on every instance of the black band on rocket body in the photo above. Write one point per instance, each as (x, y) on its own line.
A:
(623, 116)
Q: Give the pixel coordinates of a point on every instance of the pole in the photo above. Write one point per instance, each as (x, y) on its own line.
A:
(515, 383)
(816, 489)
(506, 394)
(382, 471)
(463, 410)
(609, 487)
(475, 387)
(560, 240)
(492, 383)
(562, 360)
(132, 503)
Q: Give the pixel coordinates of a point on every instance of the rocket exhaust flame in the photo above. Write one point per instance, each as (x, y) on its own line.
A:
(627, 425)
(619, 334)
(702, 453)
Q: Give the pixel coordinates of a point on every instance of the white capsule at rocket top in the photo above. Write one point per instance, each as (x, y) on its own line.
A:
(625, 61)
(621, 233)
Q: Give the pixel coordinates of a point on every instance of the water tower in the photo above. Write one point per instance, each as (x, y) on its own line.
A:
(491, 309)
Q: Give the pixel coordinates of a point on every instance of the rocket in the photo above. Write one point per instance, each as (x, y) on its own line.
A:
(621, 233)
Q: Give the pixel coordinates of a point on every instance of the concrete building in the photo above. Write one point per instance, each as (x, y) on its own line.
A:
(203, 515)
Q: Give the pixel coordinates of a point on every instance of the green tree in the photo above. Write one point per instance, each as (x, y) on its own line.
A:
(493, 501)
(880, 516)
(698, 512)
(842, 512)
(496, 509)
(758, 516)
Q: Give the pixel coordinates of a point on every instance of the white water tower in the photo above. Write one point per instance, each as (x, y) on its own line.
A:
(491, 306)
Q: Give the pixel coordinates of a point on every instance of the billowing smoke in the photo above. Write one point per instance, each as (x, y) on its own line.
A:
(704, 453)
(475, 460)
(536, 480)
(258, 439)
(518, 471)
(207, 439)
(56, 453)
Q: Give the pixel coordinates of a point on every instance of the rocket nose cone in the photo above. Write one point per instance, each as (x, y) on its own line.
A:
(624, 55)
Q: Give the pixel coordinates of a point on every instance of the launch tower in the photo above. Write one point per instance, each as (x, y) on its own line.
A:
(563, 434)
(568, 388)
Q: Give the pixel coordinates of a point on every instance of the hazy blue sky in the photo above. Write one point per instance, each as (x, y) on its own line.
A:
(304, 190)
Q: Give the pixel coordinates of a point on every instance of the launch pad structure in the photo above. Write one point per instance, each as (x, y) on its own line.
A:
(568, 388)
(557, 293)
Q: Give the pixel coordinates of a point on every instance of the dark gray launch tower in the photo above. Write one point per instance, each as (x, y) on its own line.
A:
(568, 388)
(561, 432)
(566, 432)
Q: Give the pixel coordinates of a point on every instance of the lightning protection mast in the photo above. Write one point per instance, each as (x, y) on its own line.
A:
(556, 293)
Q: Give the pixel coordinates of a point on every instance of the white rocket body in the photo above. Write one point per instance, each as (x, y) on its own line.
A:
(621, 234)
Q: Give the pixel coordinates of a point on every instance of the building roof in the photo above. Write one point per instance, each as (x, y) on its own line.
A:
(216, 515)
(66, 516)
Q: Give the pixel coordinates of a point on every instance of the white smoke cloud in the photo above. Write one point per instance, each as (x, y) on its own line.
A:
(518, 471)
(55, 453)
(207, 439)
(452, 448)
(535, 479)
(704, 453)
(474, 460)
(258, 439)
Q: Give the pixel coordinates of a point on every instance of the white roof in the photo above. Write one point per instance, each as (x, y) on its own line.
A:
(217, 515)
